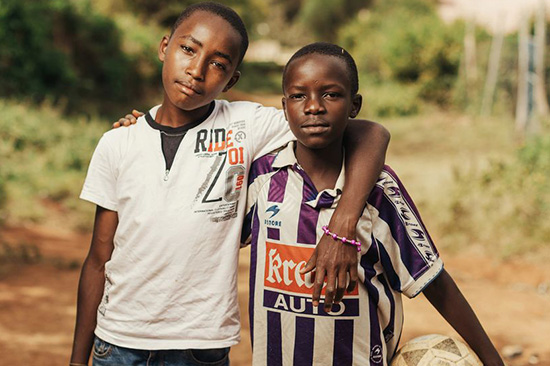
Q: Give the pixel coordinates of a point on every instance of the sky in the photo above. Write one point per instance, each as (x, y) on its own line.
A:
(495, 15)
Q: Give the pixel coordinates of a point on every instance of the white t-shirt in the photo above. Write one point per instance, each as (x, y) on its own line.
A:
(171, 280)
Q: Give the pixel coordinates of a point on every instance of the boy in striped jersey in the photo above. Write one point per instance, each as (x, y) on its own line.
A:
(292, 195)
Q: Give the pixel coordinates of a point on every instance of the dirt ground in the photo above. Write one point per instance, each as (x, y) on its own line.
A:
(37, 302)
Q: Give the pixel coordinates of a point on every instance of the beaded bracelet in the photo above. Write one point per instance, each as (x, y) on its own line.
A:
(335, 236)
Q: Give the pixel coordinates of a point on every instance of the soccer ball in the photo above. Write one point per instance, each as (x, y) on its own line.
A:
(435, 350)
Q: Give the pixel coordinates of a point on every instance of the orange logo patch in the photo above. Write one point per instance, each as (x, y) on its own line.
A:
(283, 265)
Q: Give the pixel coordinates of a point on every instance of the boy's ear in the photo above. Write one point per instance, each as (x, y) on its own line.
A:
(232, 81)
(356, 104)
(162, 48)
(283, 101)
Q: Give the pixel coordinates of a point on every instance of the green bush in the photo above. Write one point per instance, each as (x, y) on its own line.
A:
(51, 50)
(406, 42)
(315, 15)
(43, 161)
(3, 195)
(389, 99)
(263, 77)
(506, 205)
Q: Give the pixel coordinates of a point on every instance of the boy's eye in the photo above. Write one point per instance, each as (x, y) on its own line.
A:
(332, 94)
(296, 96)
(186, 48)
(219, 65)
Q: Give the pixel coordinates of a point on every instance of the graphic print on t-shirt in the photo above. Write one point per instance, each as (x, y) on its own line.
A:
(225, 150)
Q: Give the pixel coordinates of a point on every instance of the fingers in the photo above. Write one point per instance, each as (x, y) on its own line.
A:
(318, 283)
(330, 291)
(354, 277)
(128, 120)
(332, 261)
(136, 113)
(341, 289)
(311, 263)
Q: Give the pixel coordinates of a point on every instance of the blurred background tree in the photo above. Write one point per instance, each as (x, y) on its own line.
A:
(72, 57)
(165, 12)
(100, 58)
(323, 18)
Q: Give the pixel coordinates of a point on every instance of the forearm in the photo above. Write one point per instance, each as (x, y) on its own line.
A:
(90, 292)
(446, 297)
(366, 144)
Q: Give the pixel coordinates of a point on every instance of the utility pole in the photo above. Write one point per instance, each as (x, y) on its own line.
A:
(522, 107)
(492, 72)
(470, 60)
(541, 100)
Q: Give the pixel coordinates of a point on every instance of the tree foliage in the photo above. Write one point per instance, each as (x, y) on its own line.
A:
(51, 50)
(165, 12)
(507, 204)
(323, 18)
(406, 42)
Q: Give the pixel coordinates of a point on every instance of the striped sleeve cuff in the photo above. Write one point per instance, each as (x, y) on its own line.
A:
(424, 280)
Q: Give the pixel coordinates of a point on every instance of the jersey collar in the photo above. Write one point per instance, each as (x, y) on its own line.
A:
(326, 198)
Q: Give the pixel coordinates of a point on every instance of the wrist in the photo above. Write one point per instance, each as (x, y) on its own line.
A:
(343, 223)
(343, 239)
(352, 203)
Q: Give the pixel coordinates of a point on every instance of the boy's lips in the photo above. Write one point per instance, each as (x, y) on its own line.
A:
(188, 88)
(315, 126)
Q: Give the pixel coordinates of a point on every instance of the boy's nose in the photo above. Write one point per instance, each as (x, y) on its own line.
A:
(196, 69)
(314, 106)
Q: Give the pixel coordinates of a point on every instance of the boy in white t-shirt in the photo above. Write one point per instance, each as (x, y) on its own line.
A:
(159, 283)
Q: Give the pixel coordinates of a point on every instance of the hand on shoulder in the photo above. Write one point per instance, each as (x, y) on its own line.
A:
(128, 120)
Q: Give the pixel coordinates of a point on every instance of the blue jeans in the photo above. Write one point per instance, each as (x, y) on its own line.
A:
(106, 354)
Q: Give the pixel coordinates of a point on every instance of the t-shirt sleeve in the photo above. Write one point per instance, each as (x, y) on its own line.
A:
(269, 129)
(100, 184)
(406, 251)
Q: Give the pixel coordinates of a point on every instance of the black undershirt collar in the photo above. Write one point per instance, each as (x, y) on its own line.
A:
(178, 130)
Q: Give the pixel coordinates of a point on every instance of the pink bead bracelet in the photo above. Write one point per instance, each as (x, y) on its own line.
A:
(342, 239)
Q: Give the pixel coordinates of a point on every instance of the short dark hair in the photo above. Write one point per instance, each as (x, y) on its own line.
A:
(329, 49)
(222, 11)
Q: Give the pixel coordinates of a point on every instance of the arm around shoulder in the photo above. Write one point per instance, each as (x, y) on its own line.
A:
(361, 130)
(366, 143)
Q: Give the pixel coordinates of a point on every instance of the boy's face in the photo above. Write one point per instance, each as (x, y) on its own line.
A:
(200, 60)
(317, 99)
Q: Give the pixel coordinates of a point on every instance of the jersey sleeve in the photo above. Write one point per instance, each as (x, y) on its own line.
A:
(100, 184)
(270, 130)
(407, 253)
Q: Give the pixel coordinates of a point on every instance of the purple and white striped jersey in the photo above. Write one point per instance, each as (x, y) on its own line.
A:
(285, 216)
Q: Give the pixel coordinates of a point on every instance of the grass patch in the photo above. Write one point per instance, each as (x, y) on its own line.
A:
(44, 157)
(16, 256)
(474, 184)
(506, 204)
